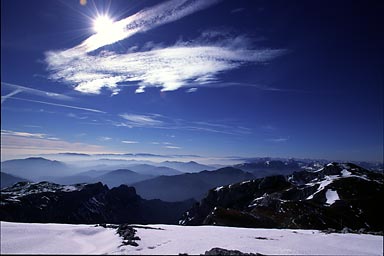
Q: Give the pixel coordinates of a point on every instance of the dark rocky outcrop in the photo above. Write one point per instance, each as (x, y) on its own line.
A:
(46, 202)
(337, 196)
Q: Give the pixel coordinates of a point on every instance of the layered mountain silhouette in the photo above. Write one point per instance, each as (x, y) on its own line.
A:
(188, 185)
(190, 166)
(115, 178)
(46, 202)
(8, 179)
(34, 168)
(337, 196)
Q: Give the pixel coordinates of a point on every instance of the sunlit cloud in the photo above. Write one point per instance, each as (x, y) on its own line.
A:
(169, 68)
(172, 147)
(191, 65)
(129, 142)
(193, 89)
(141, 22)
(52, 138)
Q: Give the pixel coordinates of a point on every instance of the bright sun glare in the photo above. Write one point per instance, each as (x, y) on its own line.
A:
(102, 24)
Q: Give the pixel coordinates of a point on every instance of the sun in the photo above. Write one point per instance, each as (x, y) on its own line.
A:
(102, 24)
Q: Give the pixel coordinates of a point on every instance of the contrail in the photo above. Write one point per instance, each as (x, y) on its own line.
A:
(3, 98)
(29, 90)
(61, 105)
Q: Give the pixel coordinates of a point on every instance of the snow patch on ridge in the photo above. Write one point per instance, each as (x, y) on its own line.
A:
(322, 184)
(331, 196)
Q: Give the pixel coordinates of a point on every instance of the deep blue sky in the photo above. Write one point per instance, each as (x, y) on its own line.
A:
(239, 78)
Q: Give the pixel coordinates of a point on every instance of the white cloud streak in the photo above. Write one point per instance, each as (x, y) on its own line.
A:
(182, 65)
(23, 134)
(172, 147)
(4, 98)
(61, 105)
(129, 142)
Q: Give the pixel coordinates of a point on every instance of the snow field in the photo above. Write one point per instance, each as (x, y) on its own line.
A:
(24, 238)
(198, 239)
(33, 238)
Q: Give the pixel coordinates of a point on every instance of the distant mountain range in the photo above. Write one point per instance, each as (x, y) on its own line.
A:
(191, 166)
(84, 203)
(188, 185)
(8, 179)
(122, 176)
(152, 170)
(115, 178)
(270, 167)
(336, 196)
(34, 168)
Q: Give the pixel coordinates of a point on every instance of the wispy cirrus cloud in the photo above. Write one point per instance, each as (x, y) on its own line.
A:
(22, 142)
(169, 68)
(278, 140)
(23, 134)
(104, 138)
(134, 120)
(77, 116)
(157, 121)
(237, 10)
(190, 65)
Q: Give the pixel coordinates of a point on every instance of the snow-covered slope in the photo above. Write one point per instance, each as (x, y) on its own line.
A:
(170, 239)
(31, 238)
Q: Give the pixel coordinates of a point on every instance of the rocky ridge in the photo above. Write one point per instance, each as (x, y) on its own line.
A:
(47, 202)
(337, 196)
